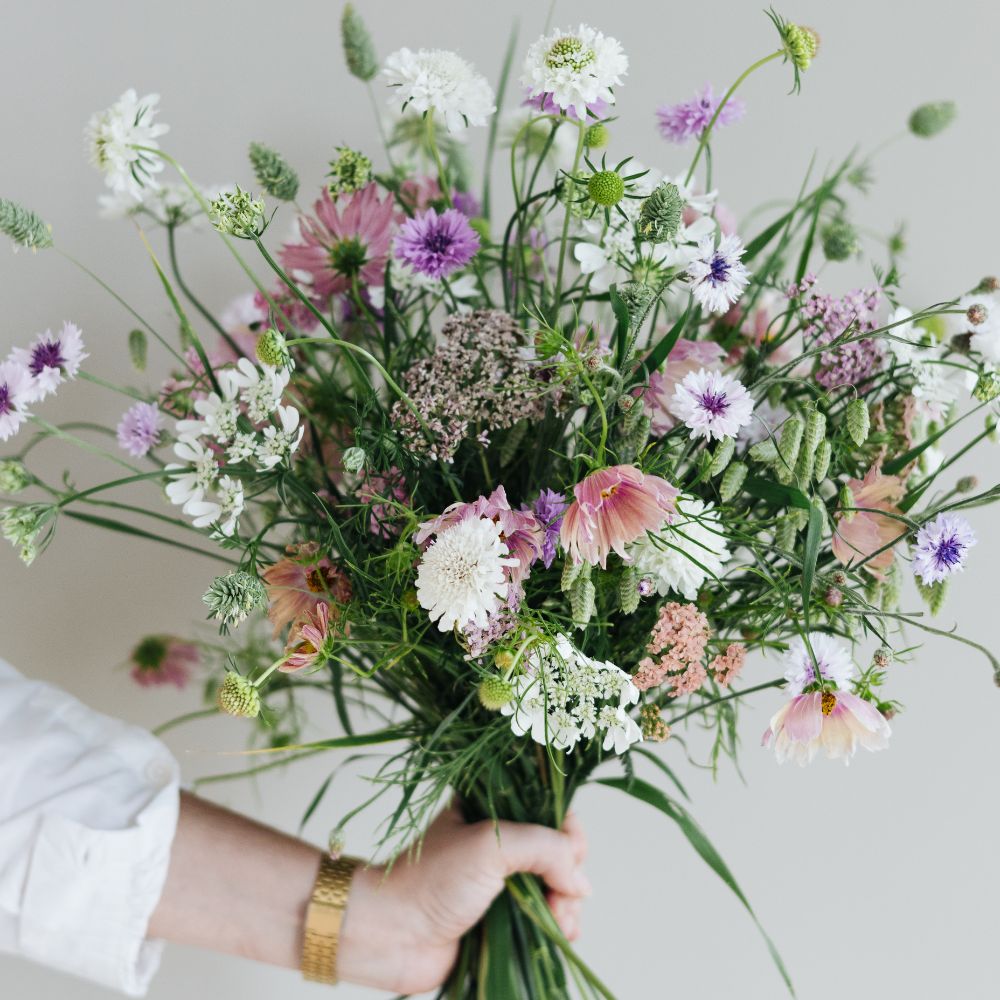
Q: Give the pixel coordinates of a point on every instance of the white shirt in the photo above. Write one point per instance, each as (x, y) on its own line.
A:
(88, 811)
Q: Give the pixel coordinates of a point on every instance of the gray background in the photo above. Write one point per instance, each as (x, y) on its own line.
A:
(878, 879)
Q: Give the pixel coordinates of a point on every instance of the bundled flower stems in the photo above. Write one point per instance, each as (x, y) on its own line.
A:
(527, 480)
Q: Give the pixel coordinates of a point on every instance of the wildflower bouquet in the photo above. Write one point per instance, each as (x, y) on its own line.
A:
(522, 488)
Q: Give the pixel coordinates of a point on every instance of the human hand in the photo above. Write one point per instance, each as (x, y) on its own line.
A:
(401, 931)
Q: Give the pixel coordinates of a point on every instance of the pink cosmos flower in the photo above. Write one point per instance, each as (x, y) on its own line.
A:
(613, 507)
(837, 721)
(347, 240)
(308, 641)
(686, 356)
(298, 585)
(160, 659)
(863, 532)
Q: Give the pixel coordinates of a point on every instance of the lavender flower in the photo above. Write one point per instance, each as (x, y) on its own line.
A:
(713, 405)
(467, 203)
(717, 274)
(437, 245)
(942, 547)
(549, 508)
(139, 429)
(687, 120)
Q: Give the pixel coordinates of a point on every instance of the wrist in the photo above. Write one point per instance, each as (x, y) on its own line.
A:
(365, 954)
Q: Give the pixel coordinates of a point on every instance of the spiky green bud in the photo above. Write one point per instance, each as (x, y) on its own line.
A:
(494, 693)
(583, 602)
(273, 172)
(272, 350)
(233, 597)
(824, 453)
(967, 484)
(931, 118)
(570, 573)
(354, 459)
(359, 50)
(987, 387)
(765, 452)
(801, 45)
(845, 501)
(732, 481)
(138, 349)
(349, 171)
(24, 227)
(724, 452)
(237, 213)
(858, 421)
(596, 137)
(784, 533)
(238, 697)
(638, 298)
(606, 188)
(933, 593)
(660, 214)
(840, 239)
(14, 477)
(22, 525)
(789, 442)
(628, 590)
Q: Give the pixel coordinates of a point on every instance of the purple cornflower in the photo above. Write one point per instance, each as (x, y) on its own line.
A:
(437, 245)
(718, 274)
(687, 120)
(942, 546)
(549, 508)
(712, 405)
(52, 359)
(467, 203)
(139, 429)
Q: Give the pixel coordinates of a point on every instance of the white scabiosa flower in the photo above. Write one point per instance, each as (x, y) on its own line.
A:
(440, 81)
(574, 71)
(718, 275)
(685, 553)
(280, 441)
(713, 405)
(113, 137)
(832, 656)
(461, 576)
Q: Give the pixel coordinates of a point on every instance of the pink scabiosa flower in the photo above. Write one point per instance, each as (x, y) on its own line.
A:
(863, 531)
(52, 359)
(298, 584)
(160, 659)
(611, 508)
(16, 391)
(718, 275)
(836, 721)
(712, 404)
(347, 241)
(941, 548)
(685, 357)
(139, 429)
(437, 245)
(687, 120)
(309, 640)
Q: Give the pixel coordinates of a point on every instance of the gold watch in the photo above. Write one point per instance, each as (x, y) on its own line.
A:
(324, 917)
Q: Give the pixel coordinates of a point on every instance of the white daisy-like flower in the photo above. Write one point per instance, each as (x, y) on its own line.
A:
(718, 275)
(113, 136)
(225, 512)
(685, 553)
(262, 389)
(712, 404)
(985, 336)
(832, 656)
(243, 447)
(574, 69)
(461, 575)
(51, 359)
(16, 392)
(219, 415)
(194, 475)
(440, 81)
(280, 442)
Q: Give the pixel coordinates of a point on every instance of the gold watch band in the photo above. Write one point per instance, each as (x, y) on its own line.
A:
(324, 917)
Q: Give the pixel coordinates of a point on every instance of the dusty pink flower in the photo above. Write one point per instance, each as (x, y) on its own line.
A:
(726, 666)
(297, 585)
(309, 640)
(861, 532)
(611, 508)
(161, 659)
(677, 646)
(837, 721)
(687, 356)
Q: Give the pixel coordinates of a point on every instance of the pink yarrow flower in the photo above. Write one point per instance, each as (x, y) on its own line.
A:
(613, 507)
(836, 721)
(686, 356)
(677, 647)
(863, 531)
(160, 660)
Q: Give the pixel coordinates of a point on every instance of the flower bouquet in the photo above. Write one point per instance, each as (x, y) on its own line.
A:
(520, 481)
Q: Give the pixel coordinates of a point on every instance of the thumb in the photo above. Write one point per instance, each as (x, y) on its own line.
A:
(550, 854)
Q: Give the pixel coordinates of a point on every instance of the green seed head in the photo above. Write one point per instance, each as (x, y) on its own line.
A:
(238, 697)
(349, 171)
(359, 50)
(570, 52)
(596, 137)
(494, 693)
(660, 215)
(801, 44)
(272, 349)
(14, 477)
(840, 239)
(606, 188)
(273, 173)
(930, 119)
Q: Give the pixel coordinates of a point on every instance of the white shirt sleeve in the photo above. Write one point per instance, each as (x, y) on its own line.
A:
(88, 811)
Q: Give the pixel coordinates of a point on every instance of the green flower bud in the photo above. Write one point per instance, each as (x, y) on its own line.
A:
(765, 452)
(845, 502)
(723, 456)
(652, 724)
(22, 525)
(596, 137)
(789, 442)
(801, 45)
(272, 349)
(349, 171)
(660, 214)
(410, 600)
(14, 477)
(933, 594)
(840, 239)
(359, 51)
(583, 602)
(354, 459)
(237, 213)
(238, 697)
(273, 173)
(784, 534)
(858, 421)
(987, 285)
(967, 484)
(638, 298)
(606, 188)
(987, 387)
(930, 119)
(494, 693)
(732, 481)
(628, 590)
(24, 227)
(138, 348)
(233, 597)
(822, 464)
(571, 572)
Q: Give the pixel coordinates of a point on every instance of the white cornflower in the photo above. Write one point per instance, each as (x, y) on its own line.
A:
(832, 656)
(685, 553)
(225, 512)
(190, 480)
(113, 136)
(261, 389)
(440, 81)
(282, 442)
(51, 359)
(574, 69)
(712, 404)
(461, 577)
(717, 274)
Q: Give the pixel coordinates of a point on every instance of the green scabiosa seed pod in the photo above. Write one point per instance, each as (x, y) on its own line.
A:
(583, 602)
(824, 453)
(858, 421)
(233, 597)
(724, 452)
(987, 387)
(840, 239)
(628, 590)
(138, 349)
(596, 137)
(24, 227)
(494, 693)
(570, 574)
(238, 697)
(237, 213)
(606, 188)
(14, 477)
(273, 172)
(660, 214)
(930, 119)
(272, 349)
(732, 481)
(801, 45)
(359, 50)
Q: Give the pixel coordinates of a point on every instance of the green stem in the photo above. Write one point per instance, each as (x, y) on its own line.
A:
(557, 294)
(53, 431)
(378, 122)
(443, 182)
(777, 682)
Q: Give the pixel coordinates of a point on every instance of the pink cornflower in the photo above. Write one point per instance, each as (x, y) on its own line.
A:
(726, 667)
(297, 585)
(52, 359)
(16, 391)
(677, 646)
(160, 659)
(687, 120)
(309, 640)
(863, 531)
(378, 490)
(139, 429)
(437, 245)
(837, 721)
(686, 356)
(347, 241)
(611, 508)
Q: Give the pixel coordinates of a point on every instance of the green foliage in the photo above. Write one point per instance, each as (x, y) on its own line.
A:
(273, 173)
(24, 227)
